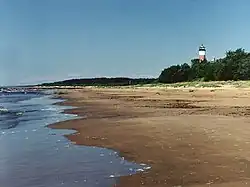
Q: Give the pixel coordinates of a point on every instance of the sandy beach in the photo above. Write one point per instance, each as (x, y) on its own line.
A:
(190, 137)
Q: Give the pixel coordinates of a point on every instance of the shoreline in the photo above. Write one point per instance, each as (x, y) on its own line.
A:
(68, 102)
(133, 123)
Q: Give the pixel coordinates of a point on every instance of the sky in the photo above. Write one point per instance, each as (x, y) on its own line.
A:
(49, 40)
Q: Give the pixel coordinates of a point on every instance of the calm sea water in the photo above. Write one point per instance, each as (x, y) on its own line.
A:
(32, 155)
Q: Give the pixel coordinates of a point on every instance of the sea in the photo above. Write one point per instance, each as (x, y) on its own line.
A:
(33, 155)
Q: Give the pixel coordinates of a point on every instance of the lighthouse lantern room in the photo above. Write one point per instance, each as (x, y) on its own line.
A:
(202, 53)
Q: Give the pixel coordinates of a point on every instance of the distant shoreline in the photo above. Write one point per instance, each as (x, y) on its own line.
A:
(181, 85)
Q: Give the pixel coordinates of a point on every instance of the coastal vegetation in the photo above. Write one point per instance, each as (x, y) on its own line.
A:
(103, 81)
(235, 66)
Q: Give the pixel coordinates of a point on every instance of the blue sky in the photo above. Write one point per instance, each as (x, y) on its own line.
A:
(58, 39)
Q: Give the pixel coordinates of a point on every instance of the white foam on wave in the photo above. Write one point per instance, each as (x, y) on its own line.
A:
(50, 109)
(3, 110)
(140, 170)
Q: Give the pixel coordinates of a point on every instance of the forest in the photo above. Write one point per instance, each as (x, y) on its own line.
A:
(234, 66)
(103, 81)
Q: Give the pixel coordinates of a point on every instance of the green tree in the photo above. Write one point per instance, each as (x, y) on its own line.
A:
(209, 71)
(185, 72)
(198, 69)
(175, 73)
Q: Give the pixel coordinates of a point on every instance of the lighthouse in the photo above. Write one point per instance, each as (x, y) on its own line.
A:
(202, 53)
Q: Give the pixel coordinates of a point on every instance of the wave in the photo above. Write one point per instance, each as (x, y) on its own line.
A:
(3, 110)
(49, 109)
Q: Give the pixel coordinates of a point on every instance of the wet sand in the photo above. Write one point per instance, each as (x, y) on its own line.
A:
(197, 137)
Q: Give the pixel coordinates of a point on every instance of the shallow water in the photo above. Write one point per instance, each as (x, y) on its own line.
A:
(32, 155)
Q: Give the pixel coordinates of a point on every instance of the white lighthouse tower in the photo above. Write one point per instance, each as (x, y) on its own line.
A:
(202, 53)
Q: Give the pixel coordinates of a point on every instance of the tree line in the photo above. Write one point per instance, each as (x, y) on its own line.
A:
(234, 66)
(117, 81)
